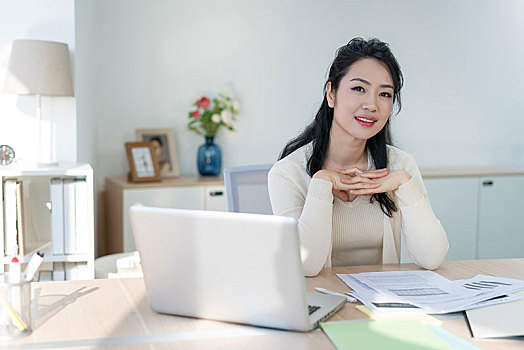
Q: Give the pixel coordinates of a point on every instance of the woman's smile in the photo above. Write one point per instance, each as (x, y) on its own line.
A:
(365, 120)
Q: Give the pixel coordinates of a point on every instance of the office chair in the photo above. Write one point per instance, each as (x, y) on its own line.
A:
(246, 189)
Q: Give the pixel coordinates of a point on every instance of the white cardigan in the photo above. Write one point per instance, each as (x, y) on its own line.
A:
(294, 193)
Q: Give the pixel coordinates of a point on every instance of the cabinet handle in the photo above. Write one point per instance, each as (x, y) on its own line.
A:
(216, 193)
(487, 183)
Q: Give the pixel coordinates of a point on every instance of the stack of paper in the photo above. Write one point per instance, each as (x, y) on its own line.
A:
(428, 292)
(423, 318)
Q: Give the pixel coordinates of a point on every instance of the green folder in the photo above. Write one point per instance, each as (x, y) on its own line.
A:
(391, 335)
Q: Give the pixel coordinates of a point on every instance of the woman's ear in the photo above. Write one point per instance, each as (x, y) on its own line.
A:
(330, 95)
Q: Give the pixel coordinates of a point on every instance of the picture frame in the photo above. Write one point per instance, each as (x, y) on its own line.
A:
(164, 146)
(143, 163)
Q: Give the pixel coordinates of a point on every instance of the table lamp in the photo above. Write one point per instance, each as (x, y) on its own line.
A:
(38, 67)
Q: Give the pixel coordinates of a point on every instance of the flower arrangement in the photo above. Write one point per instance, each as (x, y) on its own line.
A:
(207, 116)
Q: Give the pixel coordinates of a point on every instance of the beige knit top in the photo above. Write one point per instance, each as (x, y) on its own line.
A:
(336, 233)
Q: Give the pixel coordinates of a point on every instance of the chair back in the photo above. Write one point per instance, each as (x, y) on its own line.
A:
(246, 189)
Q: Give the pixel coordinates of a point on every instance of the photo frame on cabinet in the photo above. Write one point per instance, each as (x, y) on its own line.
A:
(164, 147)
(143, 163)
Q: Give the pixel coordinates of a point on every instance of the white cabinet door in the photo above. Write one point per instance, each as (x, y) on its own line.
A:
(215, 198)
(501, 230)
(183, 197)
(454, 202)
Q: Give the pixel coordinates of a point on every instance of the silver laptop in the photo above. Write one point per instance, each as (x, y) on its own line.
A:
(235, 267)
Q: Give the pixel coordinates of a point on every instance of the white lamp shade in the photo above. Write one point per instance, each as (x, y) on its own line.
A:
(39, 67)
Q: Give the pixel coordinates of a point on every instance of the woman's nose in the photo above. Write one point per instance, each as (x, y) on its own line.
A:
(370, 103)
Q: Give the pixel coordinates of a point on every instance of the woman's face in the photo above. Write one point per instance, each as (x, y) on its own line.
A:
(363, 101)
(157, 147)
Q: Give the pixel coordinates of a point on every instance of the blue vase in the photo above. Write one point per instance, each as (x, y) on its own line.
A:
(209, 158)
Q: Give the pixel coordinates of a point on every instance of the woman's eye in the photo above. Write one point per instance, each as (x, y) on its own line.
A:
(358, 88)
(385, 94)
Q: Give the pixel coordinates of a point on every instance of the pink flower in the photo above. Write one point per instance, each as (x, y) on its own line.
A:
(196, 114)
(203, 102)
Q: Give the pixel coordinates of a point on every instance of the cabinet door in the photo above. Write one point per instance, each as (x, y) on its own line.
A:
(454, 202)
(501, 232)
(215, 198)
(184, 197)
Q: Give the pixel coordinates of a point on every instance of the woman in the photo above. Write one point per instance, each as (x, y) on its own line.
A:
(351, 193)
(158, 147)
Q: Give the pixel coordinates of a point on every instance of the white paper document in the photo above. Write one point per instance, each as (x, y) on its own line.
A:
(498, 320)
(428, 292)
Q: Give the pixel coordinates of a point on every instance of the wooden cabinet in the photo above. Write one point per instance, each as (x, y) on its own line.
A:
(185, 192)
(480, 211)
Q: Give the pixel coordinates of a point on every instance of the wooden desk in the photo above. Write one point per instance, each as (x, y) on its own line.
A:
(116, 314)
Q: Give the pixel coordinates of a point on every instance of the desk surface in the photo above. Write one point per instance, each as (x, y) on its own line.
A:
(116, 314)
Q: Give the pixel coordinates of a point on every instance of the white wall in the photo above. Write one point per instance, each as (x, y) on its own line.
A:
(462, 62)
(42, 20)
(85, 86)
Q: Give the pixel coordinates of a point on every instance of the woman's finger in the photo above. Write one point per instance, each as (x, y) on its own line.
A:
(376, 170)
(351, 171)
(375, 175)
(361, 186)
(355, 179)
(368, 173)
(343, 195)
(362, 192)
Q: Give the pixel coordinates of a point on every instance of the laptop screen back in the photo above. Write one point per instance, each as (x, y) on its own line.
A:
(234, 267)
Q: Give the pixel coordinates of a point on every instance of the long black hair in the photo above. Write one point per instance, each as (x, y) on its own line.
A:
(318, 130)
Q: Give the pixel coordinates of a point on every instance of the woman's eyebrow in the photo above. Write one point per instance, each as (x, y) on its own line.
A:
(368, 83)
(361, 80)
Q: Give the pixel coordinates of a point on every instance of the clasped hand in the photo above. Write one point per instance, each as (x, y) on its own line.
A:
(349, 183)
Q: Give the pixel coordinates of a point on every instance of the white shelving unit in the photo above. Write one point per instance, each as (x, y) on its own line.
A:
(36, 213)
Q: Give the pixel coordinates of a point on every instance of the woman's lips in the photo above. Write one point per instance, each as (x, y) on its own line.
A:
(366, 121)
